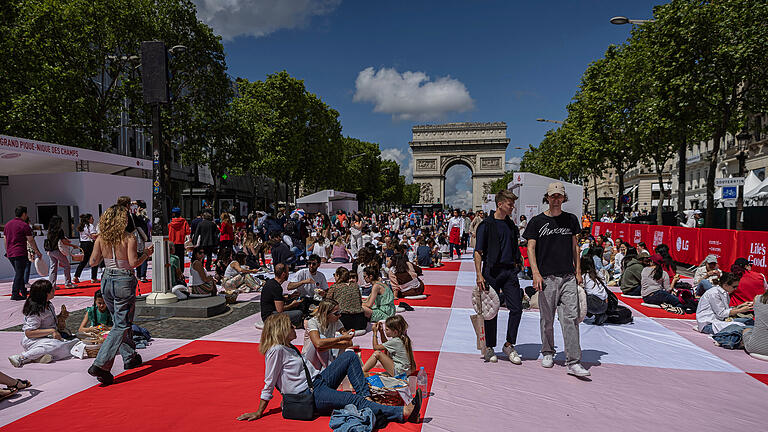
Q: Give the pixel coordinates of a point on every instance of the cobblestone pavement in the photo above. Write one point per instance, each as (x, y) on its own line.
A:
(177, 328)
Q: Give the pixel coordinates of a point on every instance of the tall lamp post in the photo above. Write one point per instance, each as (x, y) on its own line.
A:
(742, 140)
(154, 70)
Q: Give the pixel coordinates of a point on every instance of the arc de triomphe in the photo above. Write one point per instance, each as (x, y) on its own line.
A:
(479, 146)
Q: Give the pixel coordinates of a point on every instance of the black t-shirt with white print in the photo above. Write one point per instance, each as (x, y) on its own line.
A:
(554, 242)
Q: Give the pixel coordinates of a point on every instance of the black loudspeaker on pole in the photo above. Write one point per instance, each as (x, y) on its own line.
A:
(154, 76)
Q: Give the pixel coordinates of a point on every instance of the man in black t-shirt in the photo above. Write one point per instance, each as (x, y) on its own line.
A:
(553, 253)
(498, 253)
(273, 301)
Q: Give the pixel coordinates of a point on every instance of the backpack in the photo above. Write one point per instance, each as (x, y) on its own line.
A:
(616, 313)
(688, 300)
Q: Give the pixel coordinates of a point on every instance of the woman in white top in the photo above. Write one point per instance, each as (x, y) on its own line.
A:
(200, 283)
(239, 277)
(320, 247)
(713, 308)
(284, 369)
(321, 343)
(594, 286)
(118, 286)
(88, 234)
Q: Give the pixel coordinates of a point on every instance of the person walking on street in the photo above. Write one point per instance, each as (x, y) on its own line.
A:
(18, 234)
(553, 252)
(118, 286)
(497, 262)
(87, 236)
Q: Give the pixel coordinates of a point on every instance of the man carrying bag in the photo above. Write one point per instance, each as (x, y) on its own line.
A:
(497, 262)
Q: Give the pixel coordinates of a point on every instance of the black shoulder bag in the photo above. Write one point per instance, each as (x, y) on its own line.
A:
(300, 406)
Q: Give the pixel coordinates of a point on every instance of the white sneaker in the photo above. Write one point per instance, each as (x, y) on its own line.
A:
(16, 360)
(490, 355)
(44, 359)
(513, 356)
(548, 361)
(578, 370)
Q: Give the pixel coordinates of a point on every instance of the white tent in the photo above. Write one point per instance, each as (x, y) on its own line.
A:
(759, 191)
(328, 201)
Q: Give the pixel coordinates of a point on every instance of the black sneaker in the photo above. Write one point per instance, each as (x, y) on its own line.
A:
(134, 362)
(406, 306)
(103, 376)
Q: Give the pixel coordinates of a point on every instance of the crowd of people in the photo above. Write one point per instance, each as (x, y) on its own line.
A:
(387, 252)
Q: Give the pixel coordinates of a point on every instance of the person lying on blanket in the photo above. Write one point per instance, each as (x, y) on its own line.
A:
(287, 370)
(713, 309)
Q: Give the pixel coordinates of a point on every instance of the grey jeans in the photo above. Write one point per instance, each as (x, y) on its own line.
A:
(560, 293)
(119, 290)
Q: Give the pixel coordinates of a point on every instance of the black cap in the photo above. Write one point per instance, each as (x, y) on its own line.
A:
(742, 262)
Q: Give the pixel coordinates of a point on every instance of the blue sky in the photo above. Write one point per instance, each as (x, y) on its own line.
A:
(388, 65)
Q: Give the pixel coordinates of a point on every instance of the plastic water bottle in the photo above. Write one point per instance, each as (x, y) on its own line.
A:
(422, 380)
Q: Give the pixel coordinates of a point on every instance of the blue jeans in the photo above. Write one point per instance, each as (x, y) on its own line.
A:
(660, 297)
(119, 289)
(703, 286)
(19, 264)
(141, 271)
(505, 282)
(327, 398)
(297, 252)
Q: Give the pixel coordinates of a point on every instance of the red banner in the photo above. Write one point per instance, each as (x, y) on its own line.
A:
(620, 231)
(637, 233)
(599, 228)
(718, 242)
(753, 245)
(657, 234)
(684, 244)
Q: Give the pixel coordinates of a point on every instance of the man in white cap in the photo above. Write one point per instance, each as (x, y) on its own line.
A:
(705, 276)
(553, 252)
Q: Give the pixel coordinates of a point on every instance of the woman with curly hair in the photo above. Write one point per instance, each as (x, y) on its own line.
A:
(118, 286)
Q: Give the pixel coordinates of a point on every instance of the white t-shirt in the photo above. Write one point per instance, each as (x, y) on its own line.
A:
(85, 234)
(595, 288)
(308, 290)
(321, 359)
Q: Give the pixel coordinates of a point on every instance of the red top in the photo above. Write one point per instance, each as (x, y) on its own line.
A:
(226, 231)
(16, 232)
(751, 284)
(178, 229)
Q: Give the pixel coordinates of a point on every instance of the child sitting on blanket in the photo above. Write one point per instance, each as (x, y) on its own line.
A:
(42, 340)
(395, 354)
(96, 315)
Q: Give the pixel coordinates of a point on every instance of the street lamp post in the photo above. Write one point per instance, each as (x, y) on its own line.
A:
(742, 140)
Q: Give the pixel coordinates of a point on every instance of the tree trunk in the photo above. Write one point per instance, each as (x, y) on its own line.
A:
(709, 219)
(597, 216)
(620, 177)
(681, 177)
(660, 205)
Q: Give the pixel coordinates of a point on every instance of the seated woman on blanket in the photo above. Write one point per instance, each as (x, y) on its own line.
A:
(404, 277)
(238, 277)
(200, 284)
(380, 305)
(286, 369)
(42, 341)
(713, 309)
(756, 339)
(655, 286)
(340, 253)
(96, 315)
(347, 294)
(321, 343)
(751, 283)
(595, 287)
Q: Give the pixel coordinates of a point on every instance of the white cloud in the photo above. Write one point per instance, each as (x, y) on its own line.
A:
(411, 95)
(513, 164)
(232, 18)
(458, 187)
(403, 158)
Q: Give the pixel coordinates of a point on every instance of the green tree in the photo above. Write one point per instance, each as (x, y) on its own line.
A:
(411, 193)
(715, 54)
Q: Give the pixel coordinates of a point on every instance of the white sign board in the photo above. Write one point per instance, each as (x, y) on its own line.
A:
(729, 203)
(733, 181)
